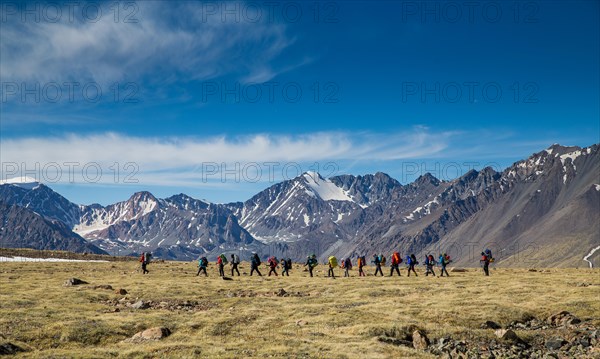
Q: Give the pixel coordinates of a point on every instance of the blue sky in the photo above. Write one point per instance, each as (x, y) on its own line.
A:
(189, 89)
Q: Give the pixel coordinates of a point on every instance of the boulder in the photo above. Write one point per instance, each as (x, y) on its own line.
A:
(490, 325)
(151, 334)
(281, 293)
(121, 291)
(555, 343)
(10, 349)
(420, 340)
(140, 304)
(74, 281)
(584, 342)
(509, 336)
(562, 318)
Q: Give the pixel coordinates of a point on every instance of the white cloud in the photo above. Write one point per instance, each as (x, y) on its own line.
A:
(170, 42)
(185, 161)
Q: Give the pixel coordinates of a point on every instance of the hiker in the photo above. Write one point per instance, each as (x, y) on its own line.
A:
(429, 263)
(311, 263)
(202, 263)
(235, 261)
(221, 260)
(396, 260)
(361, 264)
(411, 262)
(443, 261)
(273, 265)
(332, 261)
(286, 265)
(347, 266)
(377, 261)
(485, 261)
(144, 260)
(254, 264)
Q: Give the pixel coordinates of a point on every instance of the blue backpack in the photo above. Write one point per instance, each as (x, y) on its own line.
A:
(408, 260)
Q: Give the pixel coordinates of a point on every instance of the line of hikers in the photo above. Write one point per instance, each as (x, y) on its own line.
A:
(379, 261)
(255, 262)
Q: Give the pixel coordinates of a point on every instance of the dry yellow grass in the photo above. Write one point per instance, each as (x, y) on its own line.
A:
(342, 318)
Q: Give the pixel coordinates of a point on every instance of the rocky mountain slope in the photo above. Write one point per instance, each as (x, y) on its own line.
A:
(23, 228)
(178, 227)
(542, 211)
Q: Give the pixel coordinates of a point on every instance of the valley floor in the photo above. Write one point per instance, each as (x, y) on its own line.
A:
(296, 316)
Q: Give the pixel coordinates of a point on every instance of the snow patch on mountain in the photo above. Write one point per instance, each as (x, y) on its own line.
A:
(324, 188)
(572, 155)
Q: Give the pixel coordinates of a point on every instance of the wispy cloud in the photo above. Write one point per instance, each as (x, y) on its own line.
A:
(170, 42)
(184, 161)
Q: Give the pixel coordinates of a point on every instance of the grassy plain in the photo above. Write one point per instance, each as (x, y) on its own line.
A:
(318, 317)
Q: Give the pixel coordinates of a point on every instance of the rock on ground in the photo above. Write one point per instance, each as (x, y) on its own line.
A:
(155, 333)
(420, 340)
(140, 304)
(509, 336)
(74, 281)
(563, 318)
(490, 325)
(555, 343)
(10, 349)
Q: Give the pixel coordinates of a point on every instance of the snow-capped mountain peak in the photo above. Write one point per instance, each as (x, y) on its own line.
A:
(24, 182)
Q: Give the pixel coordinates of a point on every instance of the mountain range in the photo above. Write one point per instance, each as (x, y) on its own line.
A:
(541, 211)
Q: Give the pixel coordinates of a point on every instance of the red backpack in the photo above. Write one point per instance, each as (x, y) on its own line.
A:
(396, 258)
(272, 261)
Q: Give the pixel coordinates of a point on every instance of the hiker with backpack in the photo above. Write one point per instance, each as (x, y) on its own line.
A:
(332, 261)
(347, 266)
(486, 258)
(377, 261)
(443, 261)
(311, 263)
(429, 263)
(286, 265)
(144, 259)
(411, 262)
(202, 264)
(272, 262)
(254, 264)
(396, 260)
(235, 261)
(221, 260)
(361, 263)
